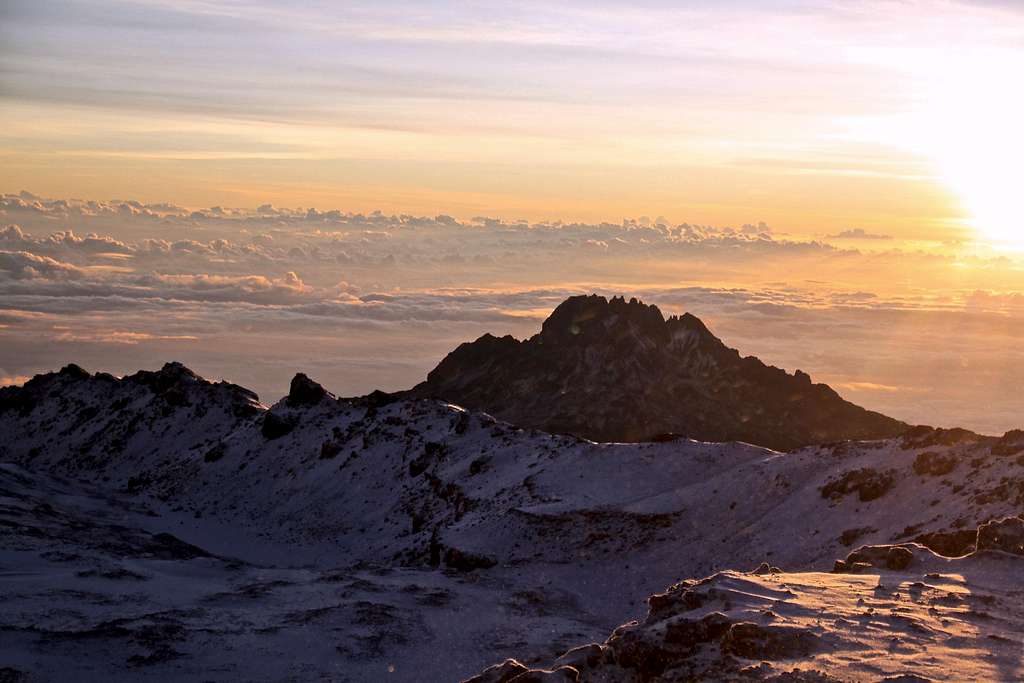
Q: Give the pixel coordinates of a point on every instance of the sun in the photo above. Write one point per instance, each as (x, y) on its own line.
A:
(973, 129)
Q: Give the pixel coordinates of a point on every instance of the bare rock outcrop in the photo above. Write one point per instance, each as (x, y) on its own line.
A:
(617, 370)
(1006, 535)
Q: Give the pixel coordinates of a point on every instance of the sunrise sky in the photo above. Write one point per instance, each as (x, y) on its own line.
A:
(814, 117)
(831, 186)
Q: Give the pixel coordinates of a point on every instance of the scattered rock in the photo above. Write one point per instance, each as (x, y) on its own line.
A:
(851, 536)
(869, 484)
(634, 649)
(754, 641)
(169, 547)
(1006, 535)
(955, 543)
(215, 453)
(690, 633)
(924, 436)
(499, 673)
(1011, 443)
(432, 452)
(463, 561)
(562, 673)
(276, 426)
(934, 464)
(582, 657)
(329, 450)
(11, 675)
(891, 557)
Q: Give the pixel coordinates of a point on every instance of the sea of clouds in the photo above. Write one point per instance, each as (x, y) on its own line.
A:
(367, 301)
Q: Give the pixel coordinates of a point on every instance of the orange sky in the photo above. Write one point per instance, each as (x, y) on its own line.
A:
(814, 118)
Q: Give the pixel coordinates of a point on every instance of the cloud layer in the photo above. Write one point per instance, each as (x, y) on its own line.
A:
(364, 301)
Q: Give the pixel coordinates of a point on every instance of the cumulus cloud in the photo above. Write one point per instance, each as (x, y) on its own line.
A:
(23, 265)
(859, 234)
(204, 287)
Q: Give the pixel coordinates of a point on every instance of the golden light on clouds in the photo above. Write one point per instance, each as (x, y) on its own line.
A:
(894, 118)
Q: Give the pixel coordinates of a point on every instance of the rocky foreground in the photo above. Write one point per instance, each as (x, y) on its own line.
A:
(160, 526)
(897, 613)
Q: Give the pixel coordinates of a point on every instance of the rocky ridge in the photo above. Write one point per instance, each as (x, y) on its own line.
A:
(617, 370)
(457, 531)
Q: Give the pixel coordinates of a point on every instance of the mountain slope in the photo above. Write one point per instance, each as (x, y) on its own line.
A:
(618, 371)
(461, 533)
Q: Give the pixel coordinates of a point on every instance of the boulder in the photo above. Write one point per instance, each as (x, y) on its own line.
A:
(869, 484)
(304, 392)
(563, 674)
(1006, 535)
(754, 641)
(891, 557)
(925, 436)
(955, 543)
(1011, 443)
(931, 463)
(275, 426)
(464, 561)
(499, 673)
(582, 657)
(689, 633)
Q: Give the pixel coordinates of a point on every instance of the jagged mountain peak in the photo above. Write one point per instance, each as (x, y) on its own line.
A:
(618, 370)
(74, 370)
(174, 386)
(171, 374)
(304, 391)
(688, 321)
(593, 317)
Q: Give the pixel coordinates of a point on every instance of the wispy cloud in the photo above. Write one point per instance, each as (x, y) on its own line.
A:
(487, 103)
(859, 234)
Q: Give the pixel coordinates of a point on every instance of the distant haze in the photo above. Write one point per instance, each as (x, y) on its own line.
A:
(366, 301)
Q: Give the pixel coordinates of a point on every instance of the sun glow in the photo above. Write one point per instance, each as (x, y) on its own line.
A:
(973, 128)
(964, 118)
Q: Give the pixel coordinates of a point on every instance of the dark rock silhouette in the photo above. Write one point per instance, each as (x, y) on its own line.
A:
(867, 483)
(617, 370)
(891, 557)
(304, 391)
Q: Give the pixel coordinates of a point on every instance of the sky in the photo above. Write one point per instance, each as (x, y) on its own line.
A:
(818, 117)
(352, 189)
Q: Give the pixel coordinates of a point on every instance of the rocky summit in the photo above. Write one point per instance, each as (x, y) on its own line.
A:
(617, 370)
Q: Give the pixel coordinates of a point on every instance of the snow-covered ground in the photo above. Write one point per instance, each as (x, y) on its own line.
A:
(937, 619)
(160, 526)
